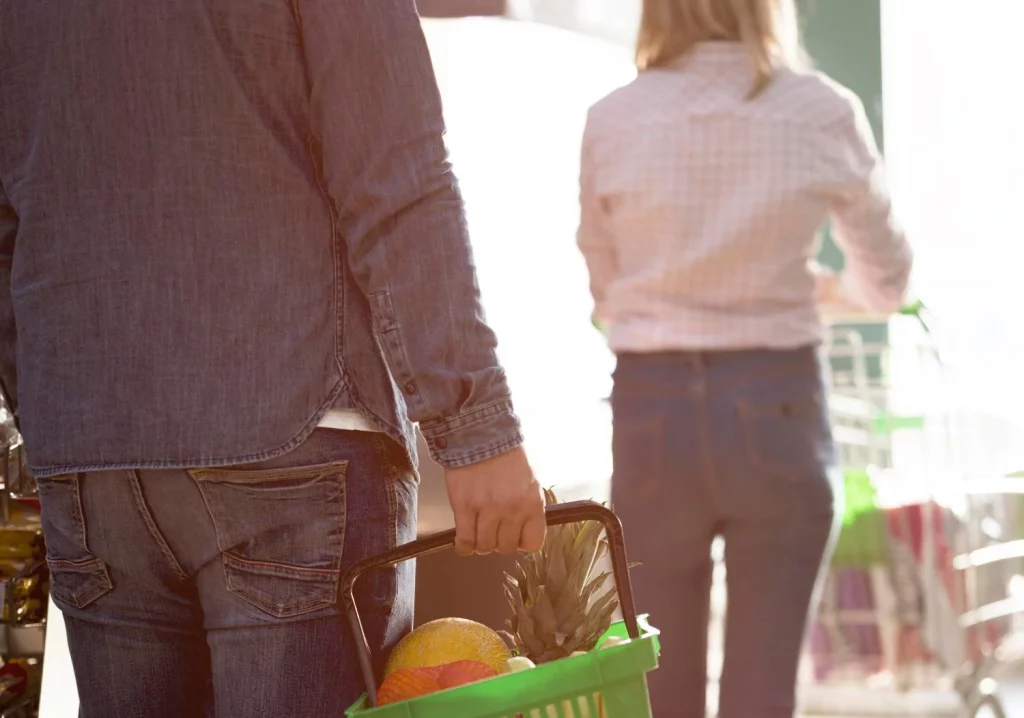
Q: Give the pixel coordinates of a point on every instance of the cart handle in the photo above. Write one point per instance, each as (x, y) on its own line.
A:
(555, 515)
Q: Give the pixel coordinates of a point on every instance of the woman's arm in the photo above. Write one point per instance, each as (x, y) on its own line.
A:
(594, 238)
(878, 256)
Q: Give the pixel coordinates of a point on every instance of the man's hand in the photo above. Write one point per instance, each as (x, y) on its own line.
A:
(498, 505)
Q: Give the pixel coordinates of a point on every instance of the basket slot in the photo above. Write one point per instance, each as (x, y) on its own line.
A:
(584, 706)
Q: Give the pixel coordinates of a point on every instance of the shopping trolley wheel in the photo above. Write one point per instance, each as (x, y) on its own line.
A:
(987, 707)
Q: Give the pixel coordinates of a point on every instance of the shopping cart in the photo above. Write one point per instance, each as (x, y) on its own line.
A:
(904, 627)
(608, 683)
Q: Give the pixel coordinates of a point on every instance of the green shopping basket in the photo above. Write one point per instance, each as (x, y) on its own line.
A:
(604, 683)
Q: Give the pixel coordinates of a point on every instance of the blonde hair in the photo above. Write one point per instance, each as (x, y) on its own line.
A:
(768, 29)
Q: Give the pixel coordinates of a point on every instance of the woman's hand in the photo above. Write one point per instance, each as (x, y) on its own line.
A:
(827, 285)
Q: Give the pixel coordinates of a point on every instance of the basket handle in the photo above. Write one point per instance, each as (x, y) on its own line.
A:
(555, 515)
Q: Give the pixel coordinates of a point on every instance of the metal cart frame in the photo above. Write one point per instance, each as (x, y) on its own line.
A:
(861, 397)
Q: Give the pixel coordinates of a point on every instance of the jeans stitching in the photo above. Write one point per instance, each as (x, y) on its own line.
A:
(209, 511)
(242, 475)
(102, 586)
(83, 600)
(78, 512)
(392, 512)
(276, 611)
(93, 566)
(392, 494)
(154, 530)
(66, 563)
(283, 566)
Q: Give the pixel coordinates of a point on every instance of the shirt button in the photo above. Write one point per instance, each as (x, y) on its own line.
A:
(442, 443)
(411, 388)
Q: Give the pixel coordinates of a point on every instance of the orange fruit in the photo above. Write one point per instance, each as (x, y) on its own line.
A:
(462, 672)
(448, 640)
(407, 683)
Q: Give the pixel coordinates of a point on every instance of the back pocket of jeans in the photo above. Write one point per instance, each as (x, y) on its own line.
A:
(77, 576)
(281, 533)
(786, 437)
(78, 583)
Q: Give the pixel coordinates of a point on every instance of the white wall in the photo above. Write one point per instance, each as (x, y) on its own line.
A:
(954, 115)
(516, 96)
(615, 20)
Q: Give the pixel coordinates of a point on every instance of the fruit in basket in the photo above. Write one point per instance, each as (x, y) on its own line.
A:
(462, 673)
(408, 683)
(552, 596)
(517, 664)
(445, 641)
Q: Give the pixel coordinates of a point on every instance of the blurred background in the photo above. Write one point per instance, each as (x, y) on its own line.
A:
(928, 422)
(928, 580)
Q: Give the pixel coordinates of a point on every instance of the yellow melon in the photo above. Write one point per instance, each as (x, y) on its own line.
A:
(448, 640)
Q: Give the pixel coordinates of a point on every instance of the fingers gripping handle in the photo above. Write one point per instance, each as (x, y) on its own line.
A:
(555, 515)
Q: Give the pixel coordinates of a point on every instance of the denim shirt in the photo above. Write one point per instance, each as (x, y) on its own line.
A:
(219, 220)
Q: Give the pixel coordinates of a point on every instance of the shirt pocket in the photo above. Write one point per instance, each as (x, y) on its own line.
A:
(281, 533)
(78, 577)
(786, 435)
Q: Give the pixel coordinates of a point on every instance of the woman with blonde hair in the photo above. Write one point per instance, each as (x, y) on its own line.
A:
(703, 188)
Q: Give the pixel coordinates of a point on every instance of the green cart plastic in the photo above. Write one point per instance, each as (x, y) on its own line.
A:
(604, 683)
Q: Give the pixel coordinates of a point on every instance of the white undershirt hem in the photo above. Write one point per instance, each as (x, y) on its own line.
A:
(346, 420)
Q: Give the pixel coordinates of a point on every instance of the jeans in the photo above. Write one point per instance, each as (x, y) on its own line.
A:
(734, 444)
(214, 592)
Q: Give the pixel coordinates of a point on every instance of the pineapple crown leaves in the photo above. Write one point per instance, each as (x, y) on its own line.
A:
(554, 599)
(522, 633)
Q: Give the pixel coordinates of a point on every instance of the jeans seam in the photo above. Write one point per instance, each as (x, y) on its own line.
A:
(392, 512)
(392, 494)
(79, 513)
(67, 563)
(709, 462)
(307, 606)
(328, 572)
(154, 530)
(391, 476)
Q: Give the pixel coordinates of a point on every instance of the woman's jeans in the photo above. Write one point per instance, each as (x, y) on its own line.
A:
(733, 444)
(214, 592)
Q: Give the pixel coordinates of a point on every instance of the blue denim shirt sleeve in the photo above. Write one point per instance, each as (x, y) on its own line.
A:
(8, 331)
(376, 114)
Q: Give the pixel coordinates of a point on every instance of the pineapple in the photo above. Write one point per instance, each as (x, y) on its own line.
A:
(556, 610)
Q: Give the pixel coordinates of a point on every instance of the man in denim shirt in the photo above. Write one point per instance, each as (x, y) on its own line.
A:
(234, 270)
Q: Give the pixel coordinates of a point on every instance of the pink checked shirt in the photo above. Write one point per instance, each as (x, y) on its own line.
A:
(701, 210)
